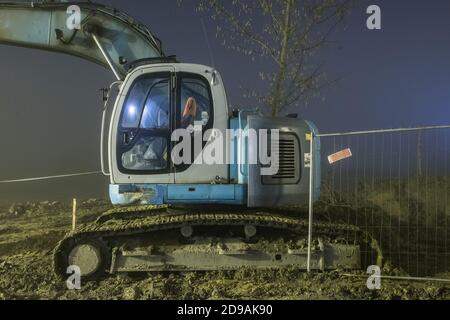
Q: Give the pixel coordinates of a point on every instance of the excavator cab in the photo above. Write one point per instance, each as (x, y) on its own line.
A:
(155, 101)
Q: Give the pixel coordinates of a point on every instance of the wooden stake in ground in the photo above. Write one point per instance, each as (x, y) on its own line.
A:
(74, 215)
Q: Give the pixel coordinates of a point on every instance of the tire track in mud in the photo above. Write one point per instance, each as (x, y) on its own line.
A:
(32, 243)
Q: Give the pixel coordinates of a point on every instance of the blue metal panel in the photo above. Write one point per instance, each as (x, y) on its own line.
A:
(204, 194)
(283, 192)
(151, 194)
(200, 192)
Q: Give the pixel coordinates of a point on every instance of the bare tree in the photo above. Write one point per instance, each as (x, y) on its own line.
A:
(288, 33)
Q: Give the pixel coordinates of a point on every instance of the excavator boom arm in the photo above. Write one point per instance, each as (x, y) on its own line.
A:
(105, 36)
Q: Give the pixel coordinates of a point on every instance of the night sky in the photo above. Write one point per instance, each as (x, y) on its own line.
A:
(50, 107)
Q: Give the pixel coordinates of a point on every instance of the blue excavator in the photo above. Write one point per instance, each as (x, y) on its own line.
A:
(221, 211)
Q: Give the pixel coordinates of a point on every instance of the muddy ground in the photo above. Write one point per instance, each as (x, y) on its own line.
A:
(29, 232)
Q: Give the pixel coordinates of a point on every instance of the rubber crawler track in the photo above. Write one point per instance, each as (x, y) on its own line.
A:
(133, 221)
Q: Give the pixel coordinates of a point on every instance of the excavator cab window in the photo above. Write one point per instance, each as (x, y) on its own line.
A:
(195, 102)
(144, 132)
(144, 136)
(194, 107)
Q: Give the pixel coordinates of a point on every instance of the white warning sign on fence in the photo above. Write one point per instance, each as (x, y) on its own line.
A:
(339, 156)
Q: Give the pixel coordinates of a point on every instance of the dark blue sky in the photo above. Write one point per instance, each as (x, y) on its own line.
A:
(51, 109)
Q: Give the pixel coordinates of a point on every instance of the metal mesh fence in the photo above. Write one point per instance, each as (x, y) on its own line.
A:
(396, 188)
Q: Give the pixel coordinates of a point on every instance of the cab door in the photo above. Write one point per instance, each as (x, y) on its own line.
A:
(140, 136)
(202, 87)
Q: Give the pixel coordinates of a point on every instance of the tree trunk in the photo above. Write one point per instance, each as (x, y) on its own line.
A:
(281, 74)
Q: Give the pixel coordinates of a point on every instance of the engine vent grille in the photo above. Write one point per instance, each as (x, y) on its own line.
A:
(288, 161)
(286, 164)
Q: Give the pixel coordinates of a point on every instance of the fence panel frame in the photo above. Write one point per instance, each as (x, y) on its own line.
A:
(312, 182)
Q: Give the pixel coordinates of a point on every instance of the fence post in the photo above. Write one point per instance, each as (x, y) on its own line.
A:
(74, 214)
(311, 201)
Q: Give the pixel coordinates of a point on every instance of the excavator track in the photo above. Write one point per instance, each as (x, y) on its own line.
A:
(280, 242)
